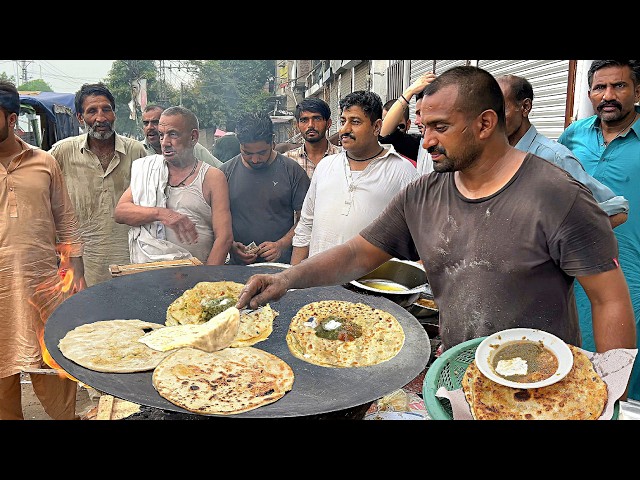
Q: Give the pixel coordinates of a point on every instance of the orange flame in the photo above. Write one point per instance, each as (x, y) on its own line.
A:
(47, 296)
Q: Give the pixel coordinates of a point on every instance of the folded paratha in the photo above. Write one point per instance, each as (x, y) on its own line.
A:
(336, 333)
(216, 334)
(111, 346)
(581, 395)
(225, 382)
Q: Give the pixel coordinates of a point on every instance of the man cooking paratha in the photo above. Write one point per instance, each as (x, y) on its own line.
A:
(503, 233)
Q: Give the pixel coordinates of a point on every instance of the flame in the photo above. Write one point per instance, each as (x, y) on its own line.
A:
(46, 298)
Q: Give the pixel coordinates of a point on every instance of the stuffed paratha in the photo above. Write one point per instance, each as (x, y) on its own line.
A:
(111, 346)
(255, 326)
(335, 333)
(225, 382)
(581, 395)
(206, 299)
(202, 302)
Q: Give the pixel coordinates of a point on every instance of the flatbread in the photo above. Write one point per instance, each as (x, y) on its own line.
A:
(216, 334)
(255, 327)
(225, 382)
(381, 336)
(581, 395)
(111, 346)
(188, 308)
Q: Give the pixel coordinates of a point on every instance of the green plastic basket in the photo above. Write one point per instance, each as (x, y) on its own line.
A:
(447, 371)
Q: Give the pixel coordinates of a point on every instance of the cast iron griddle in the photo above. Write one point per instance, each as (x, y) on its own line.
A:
(316, 390)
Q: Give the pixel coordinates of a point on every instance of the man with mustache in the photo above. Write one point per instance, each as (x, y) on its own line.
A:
(504, 233)
(349, 189)
(608, 145)
(96, 166)
(313, 119)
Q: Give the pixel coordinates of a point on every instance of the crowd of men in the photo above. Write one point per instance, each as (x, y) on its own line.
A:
(504, 219)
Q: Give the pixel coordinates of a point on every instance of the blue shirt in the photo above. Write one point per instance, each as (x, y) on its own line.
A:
(556, 153)
(617, 165)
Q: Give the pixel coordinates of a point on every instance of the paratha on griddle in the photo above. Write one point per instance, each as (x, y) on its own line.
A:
(111, 346)
(336, 333)
(196, 306)
(581, 395)
(225, 382)
(191, 306)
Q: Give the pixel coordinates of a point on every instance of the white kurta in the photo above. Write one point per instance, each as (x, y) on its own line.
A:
(340, 203)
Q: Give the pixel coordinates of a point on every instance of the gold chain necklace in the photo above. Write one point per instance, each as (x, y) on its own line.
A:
(185, 178)
(605, 143)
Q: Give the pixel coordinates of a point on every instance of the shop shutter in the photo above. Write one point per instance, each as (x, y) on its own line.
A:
(549, 79)
(361, 76)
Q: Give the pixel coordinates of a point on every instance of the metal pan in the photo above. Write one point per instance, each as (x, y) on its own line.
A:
(316, 390)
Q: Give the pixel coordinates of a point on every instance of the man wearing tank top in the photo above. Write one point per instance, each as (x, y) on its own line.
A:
(180, 203)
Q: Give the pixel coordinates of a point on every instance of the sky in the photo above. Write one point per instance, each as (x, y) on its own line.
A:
(64, 76)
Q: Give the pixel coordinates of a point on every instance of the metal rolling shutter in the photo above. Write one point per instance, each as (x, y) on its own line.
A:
(361, 75)
(550, 79)
(335, 108)
(345, 83)
(419, 67)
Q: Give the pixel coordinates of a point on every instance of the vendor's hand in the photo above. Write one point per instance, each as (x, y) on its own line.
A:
(240, 256)
(181, 224)
(261, 289)
(270, 251)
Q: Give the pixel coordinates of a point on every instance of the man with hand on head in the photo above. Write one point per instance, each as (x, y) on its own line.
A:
(400, 109)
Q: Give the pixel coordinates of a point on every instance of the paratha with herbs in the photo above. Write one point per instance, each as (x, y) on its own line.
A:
(203, 302)
(112, 346)
(207, 299)
(581, 395)
(336, 333)
(225, 382)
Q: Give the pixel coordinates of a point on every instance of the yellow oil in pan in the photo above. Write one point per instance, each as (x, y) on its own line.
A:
(386, 285)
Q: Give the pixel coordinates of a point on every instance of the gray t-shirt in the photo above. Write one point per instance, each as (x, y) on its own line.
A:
(504, 261)
(263, 201)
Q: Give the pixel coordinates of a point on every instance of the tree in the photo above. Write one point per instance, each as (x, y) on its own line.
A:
(225, 89)
(119, 79)
(219, 92)
(37, 85)
(7, 78)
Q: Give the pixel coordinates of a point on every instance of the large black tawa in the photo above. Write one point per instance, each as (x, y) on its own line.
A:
(316, 390)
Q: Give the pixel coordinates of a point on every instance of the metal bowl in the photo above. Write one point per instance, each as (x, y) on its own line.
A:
(422, 311)
(402, 281)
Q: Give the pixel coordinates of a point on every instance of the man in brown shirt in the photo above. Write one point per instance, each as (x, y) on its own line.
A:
(97, 170)
(37, 221)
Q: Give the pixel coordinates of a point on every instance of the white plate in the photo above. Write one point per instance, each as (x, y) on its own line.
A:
(488, 346)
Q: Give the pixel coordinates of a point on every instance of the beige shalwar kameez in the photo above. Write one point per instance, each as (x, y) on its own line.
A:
(94, 193)
(37, 220)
